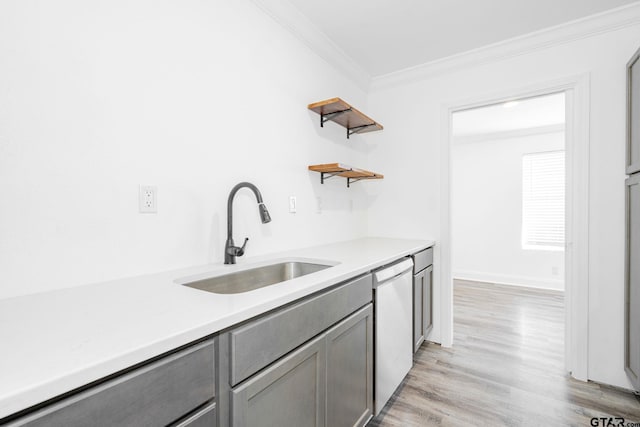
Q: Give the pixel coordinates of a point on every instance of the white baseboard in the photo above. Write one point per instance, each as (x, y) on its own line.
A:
(505, 279)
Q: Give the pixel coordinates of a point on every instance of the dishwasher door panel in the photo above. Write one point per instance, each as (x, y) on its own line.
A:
(394, 336)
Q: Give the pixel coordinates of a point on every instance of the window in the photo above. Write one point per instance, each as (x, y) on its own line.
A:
(543, 200)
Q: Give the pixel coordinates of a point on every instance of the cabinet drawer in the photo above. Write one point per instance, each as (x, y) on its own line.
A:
(422, 259)
(265, 340)
(156, 394)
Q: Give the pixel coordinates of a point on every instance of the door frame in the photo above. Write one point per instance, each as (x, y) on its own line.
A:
(576, 89)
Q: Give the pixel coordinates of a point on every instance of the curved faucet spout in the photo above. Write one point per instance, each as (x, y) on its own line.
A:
(231, 251)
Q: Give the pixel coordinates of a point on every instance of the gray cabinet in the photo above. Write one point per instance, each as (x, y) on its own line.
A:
(326, 382)
(158, 393)
(633, 110)
(350, 371)
(632, 282)
(418, 310)
(422, 296)
(427, 305)
(632, 249)
(289, 393)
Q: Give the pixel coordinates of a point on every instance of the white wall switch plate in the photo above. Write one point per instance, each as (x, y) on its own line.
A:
(148, 199)
(292, 204)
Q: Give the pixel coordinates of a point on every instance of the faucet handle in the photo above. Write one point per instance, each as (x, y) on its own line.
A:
(240, 251)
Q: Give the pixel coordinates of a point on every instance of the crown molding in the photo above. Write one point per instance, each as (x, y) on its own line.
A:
(294, 21)
(508, 134)
(589, 26)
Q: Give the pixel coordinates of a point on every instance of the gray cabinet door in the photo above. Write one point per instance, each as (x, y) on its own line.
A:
(350, 370)
(418, 310)
(632, 282)
(291, 392)
(427, 305)
(422, 306)
(633, 114)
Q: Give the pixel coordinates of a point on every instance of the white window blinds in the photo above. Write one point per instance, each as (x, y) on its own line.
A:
(543, 200)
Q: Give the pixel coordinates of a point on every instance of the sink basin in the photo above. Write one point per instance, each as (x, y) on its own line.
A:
(256, 278)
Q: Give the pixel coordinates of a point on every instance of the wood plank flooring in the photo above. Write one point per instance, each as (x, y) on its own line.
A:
(506, 368)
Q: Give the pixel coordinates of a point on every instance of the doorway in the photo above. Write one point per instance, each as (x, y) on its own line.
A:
(508, 234)
(576, 90)
(508, 193)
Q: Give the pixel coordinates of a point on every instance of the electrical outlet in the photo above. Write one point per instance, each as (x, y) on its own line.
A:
(554, 270)
(292, 204)
(148, 199)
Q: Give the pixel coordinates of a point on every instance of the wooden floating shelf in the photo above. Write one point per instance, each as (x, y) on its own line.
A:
(329, 170)
(337, 110)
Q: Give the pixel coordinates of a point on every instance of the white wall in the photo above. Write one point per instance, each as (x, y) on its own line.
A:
(408, 152)
(486, 213)
(194, 97)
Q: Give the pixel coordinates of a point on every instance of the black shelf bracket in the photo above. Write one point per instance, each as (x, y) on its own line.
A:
(329, 116)
(326, 175)
(358, 129)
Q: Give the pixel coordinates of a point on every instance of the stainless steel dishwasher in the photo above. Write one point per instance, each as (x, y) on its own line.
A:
(393, 294)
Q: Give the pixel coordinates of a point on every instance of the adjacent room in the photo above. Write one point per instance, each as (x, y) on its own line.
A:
(508, 193)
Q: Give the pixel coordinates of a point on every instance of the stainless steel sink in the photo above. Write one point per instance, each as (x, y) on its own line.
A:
(256, 278)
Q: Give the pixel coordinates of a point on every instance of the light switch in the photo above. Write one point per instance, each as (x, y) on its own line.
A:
(292, 204)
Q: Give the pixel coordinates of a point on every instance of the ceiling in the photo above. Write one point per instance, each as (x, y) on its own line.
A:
(383, 36)
(531, 113)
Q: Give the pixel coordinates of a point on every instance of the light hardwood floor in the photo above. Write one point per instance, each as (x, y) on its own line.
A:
(505, 369)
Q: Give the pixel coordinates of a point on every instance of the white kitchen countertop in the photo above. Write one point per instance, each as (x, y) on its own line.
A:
(54, 342)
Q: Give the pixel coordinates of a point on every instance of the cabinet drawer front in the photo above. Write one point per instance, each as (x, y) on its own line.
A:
(265, 340)
(422, 259)
(156, 394)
